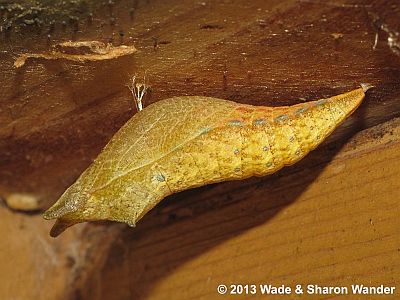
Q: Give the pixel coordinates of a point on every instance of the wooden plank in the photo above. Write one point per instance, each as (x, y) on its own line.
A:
(257, 52)
(333, 224)
(331, 219)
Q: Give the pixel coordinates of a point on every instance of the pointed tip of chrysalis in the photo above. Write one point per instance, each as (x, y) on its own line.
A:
(60, 225)
(366, 86)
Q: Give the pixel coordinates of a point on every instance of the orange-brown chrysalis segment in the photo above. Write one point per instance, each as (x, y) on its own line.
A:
(185, 142)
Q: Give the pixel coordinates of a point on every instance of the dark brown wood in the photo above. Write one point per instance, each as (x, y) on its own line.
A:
(60, 113)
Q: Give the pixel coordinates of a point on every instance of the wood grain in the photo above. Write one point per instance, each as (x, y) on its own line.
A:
(332, 219)
(263, 53)
(340, 228)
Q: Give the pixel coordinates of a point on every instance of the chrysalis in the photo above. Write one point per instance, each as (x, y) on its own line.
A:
(186, 142)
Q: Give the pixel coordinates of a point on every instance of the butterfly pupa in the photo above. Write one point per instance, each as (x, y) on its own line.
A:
(186, 142)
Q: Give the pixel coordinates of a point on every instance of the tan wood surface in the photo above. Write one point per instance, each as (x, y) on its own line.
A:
(333, 224)
(332, 219)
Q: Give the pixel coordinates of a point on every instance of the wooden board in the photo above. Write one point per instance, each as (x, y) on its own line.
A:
(331, 219)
